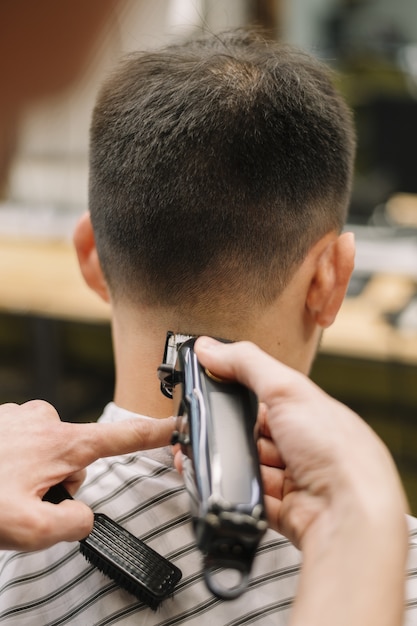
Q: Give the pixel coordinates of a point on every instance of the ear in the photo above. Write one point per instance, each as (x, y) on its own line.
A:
(333, 262)
(88, 260)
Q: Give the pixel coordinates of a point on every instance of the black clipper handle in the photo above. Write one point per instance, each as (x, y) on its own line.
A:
(216, 421)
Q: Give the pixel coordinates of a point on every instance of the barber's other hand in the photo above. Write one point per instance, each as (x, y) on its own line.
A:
(322, 447)
(37, 451)
(332, 488)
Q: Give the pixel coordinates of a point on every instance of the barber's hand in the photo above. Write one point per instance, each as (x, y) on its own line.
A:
(320, 444)
(37, 451)
(331, 487)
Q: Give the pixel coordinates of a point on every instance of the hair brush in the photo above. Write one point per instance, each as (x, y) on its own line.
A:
(124, 558)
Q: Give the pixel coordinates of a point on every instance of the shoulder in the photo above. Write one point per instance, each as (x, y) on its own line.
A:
(412, 543)
(411, 573)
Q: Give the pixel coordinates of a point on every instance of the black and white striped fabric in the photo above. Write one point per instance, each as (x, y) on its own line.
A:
(145, 494)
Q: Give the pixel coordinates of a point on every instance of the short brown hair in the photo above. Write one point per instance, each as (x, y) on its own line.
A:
(215, 165)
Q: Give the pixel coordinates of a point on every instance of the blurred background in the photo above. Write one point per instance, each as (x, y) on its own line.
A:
(55, 338)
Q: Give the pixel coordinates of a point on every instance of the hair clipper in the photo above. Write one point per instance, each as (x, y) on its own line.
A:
(215, 428)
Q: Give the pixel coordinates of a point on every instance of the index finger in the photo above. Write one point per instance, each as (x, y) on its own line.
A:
(97, 440)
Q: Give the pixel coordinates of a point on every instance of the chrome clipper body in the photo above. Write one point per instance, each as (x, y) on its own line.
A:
(215, 429)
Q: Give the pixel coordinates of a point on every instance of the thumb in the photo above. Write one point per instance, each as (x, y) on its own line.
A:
(41, 524)
(70, 520)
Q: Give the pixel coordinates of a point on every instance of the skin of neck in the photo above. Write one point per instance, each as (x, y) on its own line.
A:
(285, 329)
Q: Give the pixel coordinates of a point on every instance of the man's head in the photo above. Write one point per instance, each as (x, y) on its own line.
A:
(215, 166)
(219, 182)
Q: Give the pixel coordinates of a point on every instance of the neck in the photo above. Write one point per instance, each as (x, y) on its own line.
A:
(139, 349)
(139, 339)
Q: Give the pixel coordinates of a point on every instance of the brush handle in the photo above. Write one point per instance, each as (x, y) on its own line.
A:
(57, 494)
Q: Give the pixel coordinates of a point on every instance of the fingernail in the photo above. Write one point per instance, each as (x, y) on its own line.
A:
(207, 343)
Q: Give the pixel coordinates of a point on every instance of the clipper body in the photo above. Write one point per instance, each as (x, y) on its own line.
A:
(216, 421)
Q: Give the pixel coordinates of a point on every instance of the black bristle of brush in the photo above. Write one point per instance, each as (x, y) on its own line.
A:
(128, 561)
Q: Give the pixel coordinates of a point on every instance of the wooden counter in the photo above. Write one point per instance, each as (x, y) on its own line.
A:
(362, 328)
(43, 278)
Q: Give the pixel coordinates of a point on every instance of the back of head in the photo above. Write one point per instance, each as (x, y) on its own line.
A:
(215, 166)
